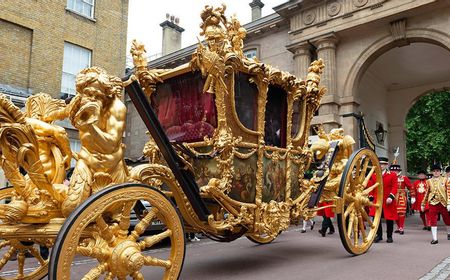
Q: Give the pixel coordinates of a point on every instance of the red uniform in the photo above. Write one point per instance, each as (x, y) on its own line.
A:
(403, 184)
(420, 187)
(390, 186)
(327, 212)
(438, 197)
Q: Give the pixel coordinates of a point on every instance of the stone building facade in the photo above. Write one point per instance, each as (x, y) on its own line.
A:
(380, 56)
(43, 44)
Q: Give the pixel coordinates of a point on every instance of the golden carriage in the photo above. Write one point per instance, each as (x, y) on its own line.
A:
(228, 154)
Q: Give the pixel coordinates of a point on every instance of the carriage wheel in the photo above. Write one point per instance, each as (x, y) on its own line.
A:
(357, 230)
(260, 238)
(20, 259)
(98, 235)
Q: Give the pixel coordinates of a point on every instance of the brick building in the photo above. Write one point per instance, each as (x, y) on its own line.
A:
(44, 44)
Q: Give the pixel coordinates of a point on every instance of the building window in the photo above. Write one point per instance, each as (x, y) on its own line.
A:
(251, 53)
(82, 7)
(75, 59)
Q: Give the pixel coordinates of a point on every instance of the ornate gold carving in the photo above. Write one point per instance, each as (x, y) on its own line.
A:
(274, 218)
(147, 78)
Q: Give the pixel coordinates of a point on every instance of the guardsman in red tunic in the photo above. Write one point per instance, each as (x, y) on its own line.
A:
(438, 198)
(420, 187)
(390, 183)
(402, 197)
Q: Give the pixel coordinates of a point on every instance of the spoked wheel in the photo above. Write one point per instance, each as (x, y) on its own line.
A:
(97, 240)
(361, 177)
(20, 259)
(260, 238)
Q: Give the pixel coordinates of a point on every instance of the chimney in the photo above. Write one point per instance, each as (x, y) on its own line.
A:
(256, 6)
(171, 38)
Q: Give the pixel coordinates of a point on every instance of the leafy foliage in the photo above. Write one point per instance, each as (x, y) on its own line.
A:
(428, 125)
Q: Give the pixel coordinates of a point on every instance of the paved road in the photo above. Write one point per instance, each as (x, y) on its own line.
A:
(295, 255)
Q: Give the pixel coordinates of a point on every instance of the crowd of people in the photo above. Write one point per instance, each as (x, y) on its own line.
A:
(429, 196)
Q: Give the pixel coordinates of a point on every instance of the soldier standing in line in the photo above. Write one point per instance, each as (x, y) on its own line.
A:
(420, 187)
(401, 197)
(438, 198)
(390, 184)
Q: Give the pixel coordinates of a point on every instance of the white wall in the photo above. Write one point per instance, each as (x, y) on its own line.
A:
(373, 105)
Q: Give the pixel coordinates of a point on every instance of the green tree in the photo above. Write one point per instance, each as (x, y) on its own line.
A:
(428, 125)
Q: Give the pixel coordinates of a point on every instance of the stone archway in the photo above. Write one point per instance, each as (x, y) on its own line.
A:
(389, 104)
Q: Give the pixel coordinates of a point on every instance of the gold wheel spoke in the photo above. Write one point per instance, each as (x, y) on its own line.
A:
(350, 226)
(4, 243)
(349, 209)
(348, 197)
(6, 257)
(143, 224)
(355, 231)
(124, 222)
(137, 275)
(357, 168)
(362, 229)
(366, 180)
(96, 272)
(148, 260)
(371, 188)
(20, 263)
(366, 217)
(93, 252)
(371, 204)
(362, 172)
(152, 240)
(103, 227)
(37, 255)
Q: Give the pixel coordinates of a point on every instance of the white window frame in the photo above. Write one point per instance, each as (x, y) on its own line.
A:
(251, 52)
(77, 6)
(73, 54)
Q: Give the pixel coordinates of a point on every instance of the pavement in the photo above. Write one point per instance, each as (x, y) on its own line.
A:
(296, 255)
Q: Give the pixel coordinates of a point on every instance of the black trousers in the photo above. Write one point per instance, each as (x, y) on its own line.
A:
(327, 223)
(390, 229)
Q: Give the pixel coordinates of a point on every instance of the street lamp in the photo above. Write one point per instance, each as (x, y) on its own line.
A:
(380, 133)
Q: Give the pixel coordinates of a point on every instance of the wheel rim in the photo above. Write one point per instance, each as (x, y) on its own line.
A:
(15, 260)
(357, 230)
(260, 238)
(103, 221)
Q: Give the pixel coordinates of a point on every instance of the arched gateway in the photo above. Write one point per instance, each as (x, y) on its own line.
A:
(383, 56)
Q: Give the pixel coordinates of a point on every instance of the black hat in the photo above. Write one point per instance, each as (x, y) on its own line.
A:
(421, 172)
(395, 167)
(436, 166)
(447, 169)
(383, 160)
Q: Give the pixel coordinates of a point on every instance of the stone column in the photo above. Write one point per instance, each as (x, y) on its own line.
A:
(329, 109)
(302, 58)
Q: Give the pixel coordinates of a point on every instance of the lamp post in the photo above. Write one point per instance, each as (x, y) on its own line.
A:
(380, 133)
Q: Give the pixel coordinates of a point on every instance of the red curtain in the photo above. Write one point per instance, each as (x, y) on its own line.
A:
(186, 114)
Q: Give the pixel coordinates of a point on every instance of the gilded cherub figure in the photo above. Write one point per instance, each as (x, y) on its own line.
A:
(99, 115)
